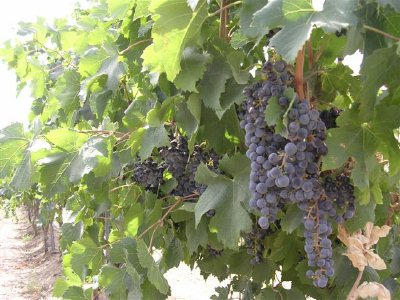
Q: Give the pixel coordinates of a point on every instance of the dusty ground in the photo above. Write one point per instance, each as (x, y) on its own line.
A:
(26, 272)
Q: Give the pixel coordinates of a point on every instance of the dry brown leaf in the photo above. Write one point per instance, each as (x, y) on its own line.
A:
(378, 232)
(359, 245)
(368, 229)
(357, 258)
(372, 289)
(355, 242)
(374, 260)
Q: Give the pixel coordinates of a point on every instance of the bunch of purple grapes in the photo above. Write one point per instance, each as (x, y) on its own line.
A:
(329, 117)
(148, 174)
(183, 165)
(254, 244)
(287, 170)
(263, 144)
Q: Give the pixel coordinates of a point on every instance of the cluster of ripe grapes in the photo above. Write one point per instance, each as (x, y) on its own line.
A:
(148, 174)
(180, 163)
(286, 170)
(254, 244)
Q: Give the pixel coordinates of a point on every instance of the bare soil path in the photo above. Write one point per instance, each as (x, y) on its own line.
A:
(26, 272)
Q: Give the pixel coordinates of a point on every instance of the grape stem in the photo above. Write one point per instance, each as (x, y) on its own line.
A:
(224, 7)
(310, 54)
(385, 34)
(121, 186)
(355, 286)
(298, 77)
(99, 132)
(133, 45)
(158, 223)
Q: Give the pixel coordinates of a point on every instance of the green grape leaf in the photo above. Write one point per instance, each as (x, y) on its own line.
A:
(60, 286)
(292, 220)
(121, 283)
(267, 293)
(392, 22)
(338, 80)
(222, 134)
(378, 69)
(13, 145)
(247, 10)
(119, 9)
(74, 293)
(174, 27)
(273, 112)
(86, 254)
(74, 40)
(66, 91)
(395, 264)
(23, 176)
(88, 158)
(153, 137)
(73, 156)
(235, 60)
(364, 213)
(122, 250)
(113, 68)
(91, 61)
(393, 3)
(16, 157)
(297, 19)
(233, 94)
(185, 119)
(134, 291)
(142, 9)
(225, 195)
(361, 140)
(173, 254)
(153, 272)
(287, 245)
(38, 78)
(196, 236)
(276, 116)
(213, 83)
(193, 66)
(70, 233)
(114, 280)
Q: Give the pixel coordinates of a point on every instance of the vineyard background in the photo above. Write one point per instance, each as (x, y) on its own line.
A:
(158, 134)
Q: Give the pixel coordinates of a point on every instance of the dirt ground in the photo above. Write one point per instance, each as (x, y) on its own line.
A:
(26, 272)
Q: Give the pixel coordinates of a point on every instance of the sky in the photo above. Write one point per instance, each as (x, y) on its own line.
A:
(16, 109)
(13, 109)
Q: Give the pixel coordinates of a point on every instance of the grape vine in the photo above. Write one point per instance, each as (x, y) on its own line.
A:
(158, 130)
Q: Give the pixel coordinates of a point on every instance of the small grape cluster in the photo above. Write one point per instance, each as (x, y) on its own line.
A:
(254, 244)
(183, 166)
(148, 174)
(329, 117)
(177, 160)
(214, 252)
(341, 191)
(287, 170)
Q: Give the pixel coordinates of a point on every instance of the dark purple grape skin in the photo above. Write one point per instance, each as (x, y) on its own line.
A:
(290, 169)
